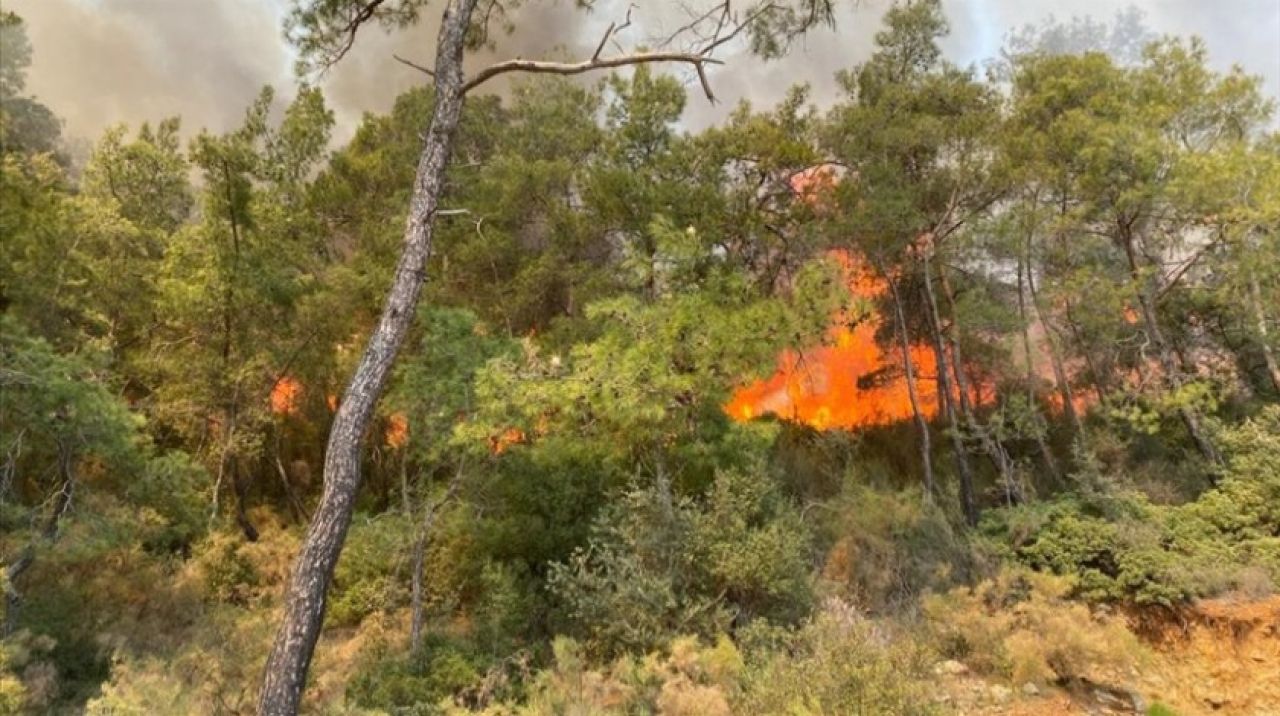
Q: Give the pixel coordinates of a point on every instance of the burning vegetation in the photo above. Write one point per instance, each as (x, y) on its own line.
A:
(851, 381)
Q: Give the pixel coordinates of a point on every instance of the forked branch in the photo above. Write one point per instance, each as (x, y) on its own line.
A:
(697, 61)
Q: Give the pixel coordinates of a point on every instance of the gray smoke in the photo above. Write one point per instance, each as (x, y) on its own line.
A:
(100, 62)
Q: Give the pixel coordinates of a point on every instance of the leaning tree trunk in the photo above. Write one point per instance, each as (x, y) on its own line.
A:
(1172, 373)
(944, 391)
(926, 450)
(1041, 425)
(1260, 318)
(286, 669)
(992, 445)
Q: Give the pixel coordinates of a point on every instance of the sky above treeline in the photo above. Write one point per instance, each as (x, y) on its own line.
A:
(102, 62)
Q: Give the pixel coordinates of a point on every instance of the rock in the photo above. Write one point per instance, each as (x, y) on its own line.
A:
(950, 667)
(1030, 689)
(1215, 699)
(1000, 694)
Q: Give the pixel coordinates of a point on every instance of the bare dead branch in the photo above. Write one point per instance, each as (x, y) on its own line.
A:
(599, 48)
(717, 39)
(425, 70)
(577, 68)
(613, 30)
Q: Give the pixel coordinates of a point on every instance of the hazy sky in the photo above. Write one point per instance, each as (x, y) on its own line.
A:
(99, 62)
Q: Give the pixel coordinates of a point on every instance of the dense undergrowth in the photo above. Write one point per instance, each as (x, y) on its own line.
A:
(559, 515)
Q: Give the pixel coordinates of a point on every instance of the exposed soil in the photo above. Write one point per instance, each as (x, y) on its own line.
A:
(1219, 656)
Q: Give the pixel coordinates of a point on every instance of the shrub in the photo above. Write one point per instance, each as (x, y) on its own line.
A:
(659, 566)
(1117, 546)
(419, 682)
(888, 547)
(1020, 625)
(368, 577)
(686, 679)
(838, 663)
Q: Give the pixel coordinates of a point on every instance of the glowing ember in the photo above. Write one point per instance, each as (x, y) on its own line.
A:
(285, 396)
(499, 444)
(851, 382)
(816, 185)
(397, 434)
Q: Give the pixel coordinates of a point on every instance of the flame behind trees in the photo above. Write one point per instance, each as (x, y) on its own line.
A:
(851, 382)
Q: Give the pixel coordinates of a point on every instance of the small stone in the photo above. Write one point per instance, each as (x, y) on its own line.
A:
(1000, 694)
(1030, 689)
(1215, 699)
(950, 667)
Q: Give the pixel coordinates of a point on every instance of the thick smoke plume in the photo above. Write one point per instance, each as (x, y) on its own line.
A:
(100, 62)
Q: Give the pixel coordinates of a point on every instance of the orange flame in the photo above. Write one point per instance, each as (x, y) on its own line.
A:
(816, 185)
(285, 396)
(499, 444)
(397, 433)
(852, 382)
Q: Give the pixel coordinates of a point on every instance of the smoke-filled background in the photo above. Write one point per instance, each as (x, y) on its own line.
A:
(101, 62)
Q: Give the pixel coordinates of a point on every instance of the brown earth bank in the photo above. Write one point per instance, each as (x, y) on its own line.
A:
(1219, 656)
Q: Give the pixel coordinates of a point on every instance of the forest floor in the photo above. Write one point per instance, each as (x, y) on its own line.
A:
(1219, 656)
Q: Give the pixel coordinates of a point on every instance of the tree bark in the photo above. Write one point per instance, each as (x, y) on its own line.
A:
(1041, 425)
(1264, 338)
(991, 444)
(926, 450)
(417, 603)
(1172, 372)
(286, 670)
(944, 392)
(48, 534)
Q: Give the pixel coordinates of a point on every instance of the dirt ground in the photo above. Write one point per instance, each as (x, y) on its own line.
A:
(1220, 656)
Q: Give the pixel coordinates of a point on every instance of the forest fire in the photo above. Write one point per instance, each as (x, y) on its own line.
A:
(286, 395)
(851, 382)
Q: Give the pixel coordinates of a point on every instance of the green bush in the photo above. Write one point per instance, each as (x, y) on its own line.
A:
(371, 574)
(1021, 626)
(417, 683)
(888, 547)
(1119, 546)
(838, 663)
(660, 565)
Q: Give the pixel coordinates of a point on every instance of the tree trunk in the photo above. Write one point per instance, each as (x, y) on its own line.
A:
(1264, 338)
(991, 444)
(417, 606)
(286, 670)
(49, 534)
(944, 392)
(1041, 425)
(1172, 373)
(926, 451)
(1060, 377)
(1096, 375)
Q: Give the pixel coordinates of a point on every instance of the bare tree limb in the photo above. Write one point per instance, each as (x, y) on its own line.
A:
(425, 70)
(576, 68)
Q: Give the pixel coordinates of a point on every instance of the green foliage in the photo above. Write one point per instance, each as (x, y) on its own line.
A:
(28, 681)
(1021, 626)
(614, 542)
(659, 564)
(368, 577)
(419, 682)
(839, 663)
(887, 548)
(1122, 547)
(26, 125)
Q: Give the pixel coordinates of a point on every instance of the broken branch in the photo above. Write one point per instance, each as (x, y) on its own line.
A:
(425, 70)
